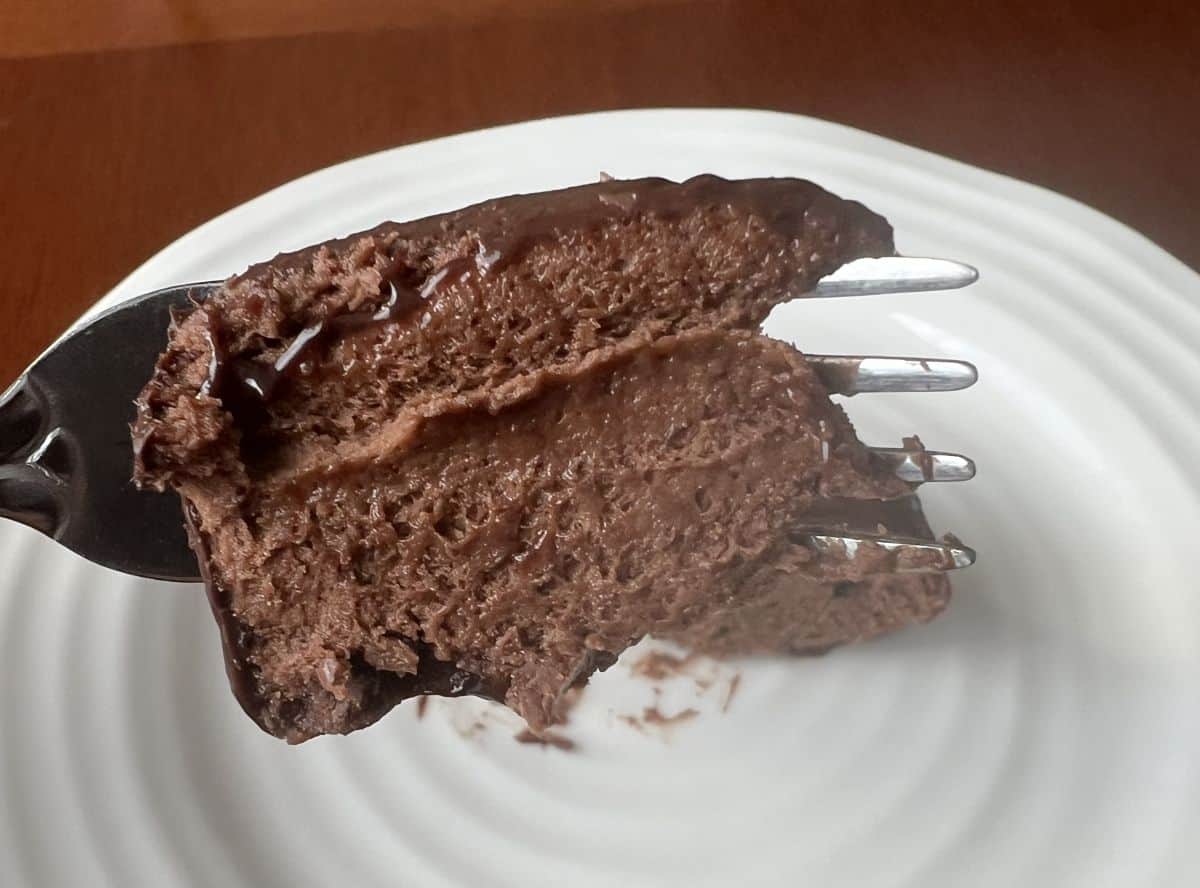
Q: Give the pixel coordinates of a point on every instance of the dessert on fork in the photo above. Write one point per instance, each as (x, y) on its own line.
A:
(485, 452)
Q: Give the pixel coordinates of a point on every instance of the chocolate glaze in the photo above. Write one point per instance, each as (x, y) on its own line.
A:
(233, 635)
(505, 229)
(774, 202)
(243, 378)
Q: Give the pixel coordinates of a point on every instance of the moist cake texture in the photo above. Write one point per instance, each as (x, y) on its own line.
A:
(485, 452)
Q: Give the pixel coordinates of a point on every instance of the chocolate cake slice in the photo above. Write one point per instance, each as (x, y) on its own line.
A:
(485, 452)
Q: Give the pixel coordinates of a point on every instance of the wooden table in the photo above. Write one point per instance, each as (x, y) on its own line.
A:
(124, 123)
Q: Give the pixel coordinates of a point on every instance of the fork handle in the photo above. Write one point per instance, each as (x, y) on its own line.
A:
(32, 490)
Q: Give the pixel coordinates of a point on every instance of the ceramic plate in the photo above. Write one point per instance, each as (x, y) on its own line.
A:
(1044, 731)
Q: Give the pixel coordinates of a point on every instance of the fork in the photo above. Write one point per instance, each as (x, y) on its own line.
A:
(65, 453)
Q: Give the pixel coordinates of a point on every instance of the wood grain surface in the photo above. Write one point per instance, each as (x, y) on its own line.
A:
(125, 123)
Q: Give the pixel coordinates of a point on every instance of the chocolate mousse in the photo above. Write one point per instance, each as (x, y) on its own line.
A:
(485, 452)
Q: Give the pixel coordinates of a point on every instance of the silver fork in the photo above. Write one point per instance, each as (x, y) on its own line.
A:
(65, 453)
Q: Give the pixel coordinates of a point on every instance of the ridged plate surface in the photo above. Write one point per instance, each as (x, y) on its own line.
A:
(1045, 731)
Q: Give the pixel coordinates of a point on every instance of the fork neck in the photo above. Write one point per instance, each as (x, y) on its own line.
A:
(32, 489)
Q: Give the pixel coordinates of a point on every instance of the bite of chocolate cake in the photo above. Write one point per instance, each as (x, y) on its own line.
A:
(485, 452)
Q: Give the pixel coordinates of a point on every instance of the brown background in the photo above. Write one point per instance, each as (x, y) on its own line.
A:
(124, 123)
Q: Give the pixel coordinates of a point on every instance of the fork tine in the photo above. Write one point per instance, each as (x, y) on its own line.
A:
(859, 374)
(894, 274)
(918, 466)
(904, 555)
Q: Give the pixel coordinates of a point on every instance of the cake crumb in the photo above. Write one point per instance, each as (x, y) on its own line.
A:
(663, 665)
(731, 691)
(652, 715)
(633, 721)
(558, 741)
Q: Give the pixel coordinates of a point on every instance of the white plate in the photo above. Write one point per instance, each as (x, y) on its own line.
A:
(1045, 731)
